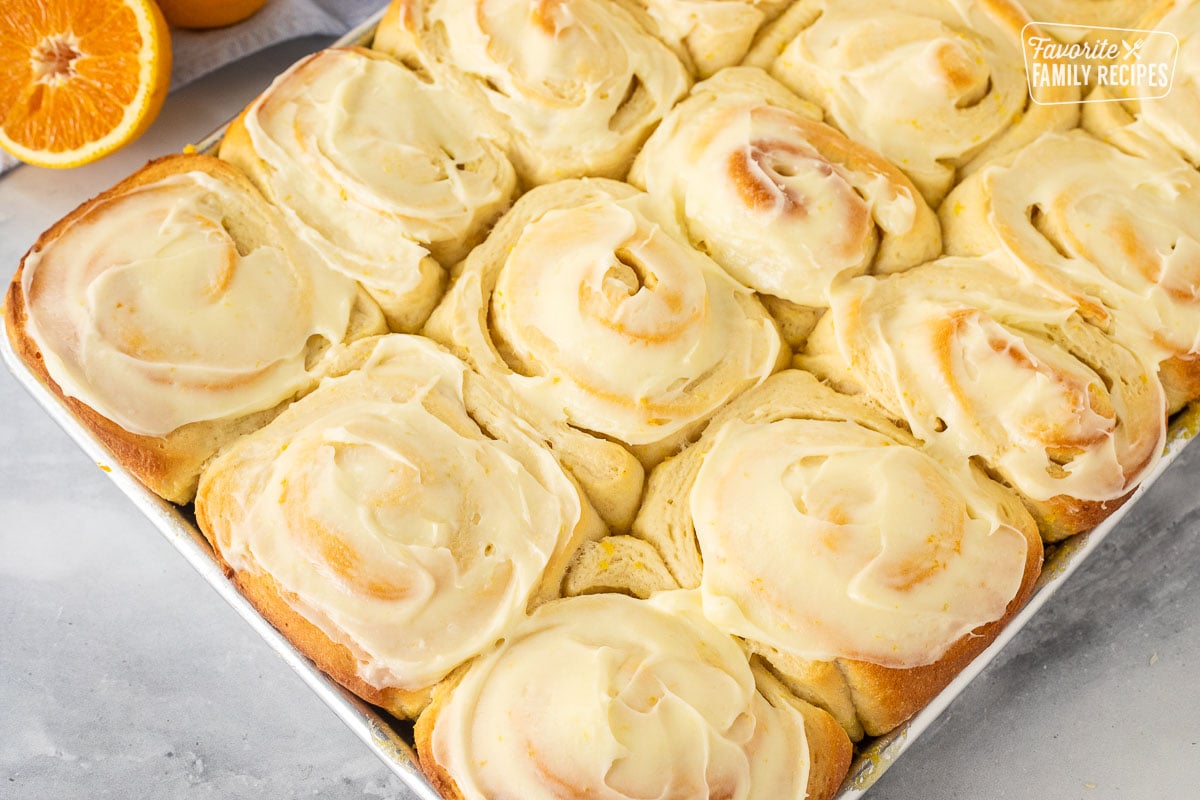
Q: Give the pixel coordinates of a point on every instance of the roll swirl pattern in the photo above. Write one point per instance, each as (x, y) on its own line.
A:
(390, 178)
(146, 307)
(783, 202)
(1087, 13)
(820, 532)
(591, 310)
(578, 83)
(980, 365)
(894, 562)
(664, 705)
(399, 511)
(1168, 118)
(1114, 233)
(935, 86)
(711, 34)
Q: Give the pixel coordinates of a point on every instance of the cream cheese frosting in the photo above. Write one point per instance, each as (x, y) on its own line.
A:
(393, 521)
(372, 164)
(827, 540)
(979, 366)
(1173, 116)
(180, 301)
(715, 33)
(612, 698)
(580, 82)
(927, 83)
(1116, 233)
(625, 330)
(785, 204)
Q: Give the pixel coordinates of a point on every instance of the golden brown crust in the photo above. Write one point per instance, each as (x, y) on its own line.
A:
(836, 697)
(334, 659)
(265, 593)
(168, 465)
(423, 733)
(884, 697)
(829, 749)
(819, 683)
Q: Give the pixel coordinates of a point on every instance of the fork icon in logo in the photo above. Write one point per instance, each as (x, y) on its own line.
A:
(1131, 50)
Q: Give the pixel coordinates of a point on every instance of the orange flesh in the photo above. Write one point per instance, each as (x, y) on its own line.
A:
(68, 70)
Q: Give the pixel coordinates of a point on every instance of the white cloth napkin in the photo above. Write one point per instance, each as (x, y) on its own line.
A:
(198, 53)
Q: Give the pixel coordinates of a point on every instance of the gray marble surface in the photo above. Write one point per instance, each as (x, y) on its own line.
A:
(122, 674)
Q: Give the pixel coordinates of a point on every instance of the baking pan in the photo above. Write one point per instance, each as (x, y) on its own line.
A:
(391, 740)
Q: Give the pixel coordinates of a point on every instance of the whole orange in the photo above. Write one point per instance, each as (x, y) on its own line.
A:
(208, 13)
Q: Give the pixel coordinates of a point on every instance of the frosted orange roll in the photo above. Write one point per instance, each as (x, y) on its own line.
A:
(710, 34)
(1089, 13)
(388, 177)
(610, 697)
(937, 87)
(175, 312)
(1168, 119)
(865, 570)
(782, 201)
(395, 522)
(1116, 234)
(578, 83)
(593, 311)
(979, 364)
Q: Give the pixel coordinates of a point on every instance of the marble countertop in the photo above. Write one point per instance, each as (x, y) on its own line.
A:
(123, 674)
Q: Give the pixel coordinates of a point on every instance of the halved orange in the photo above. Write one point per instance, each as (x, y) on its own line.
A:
(79, 78)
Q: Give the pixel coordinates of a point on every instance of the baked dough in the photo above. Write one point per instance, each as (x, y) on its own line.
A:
(397, 521)
(866, 571)
(937, 87)
(591, 309)
(610, 697)
(175, 312)
(391, 179)
(784, 203)
(1115, 234)
(979, 364)
(1168, 121)
(579, 84)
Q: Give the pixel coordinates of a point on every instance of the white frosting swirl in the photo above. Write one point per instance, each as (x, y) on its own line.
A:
(715, 33)
(579, 82)
(784, 204)
(391, 520)
(623, 328)
(179, 301)
(1114, 232)
(1173, 116)
(973, 362)
(830, 540)
(927, 83)
(373, 165)
(612, 698)
(1089, 13)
